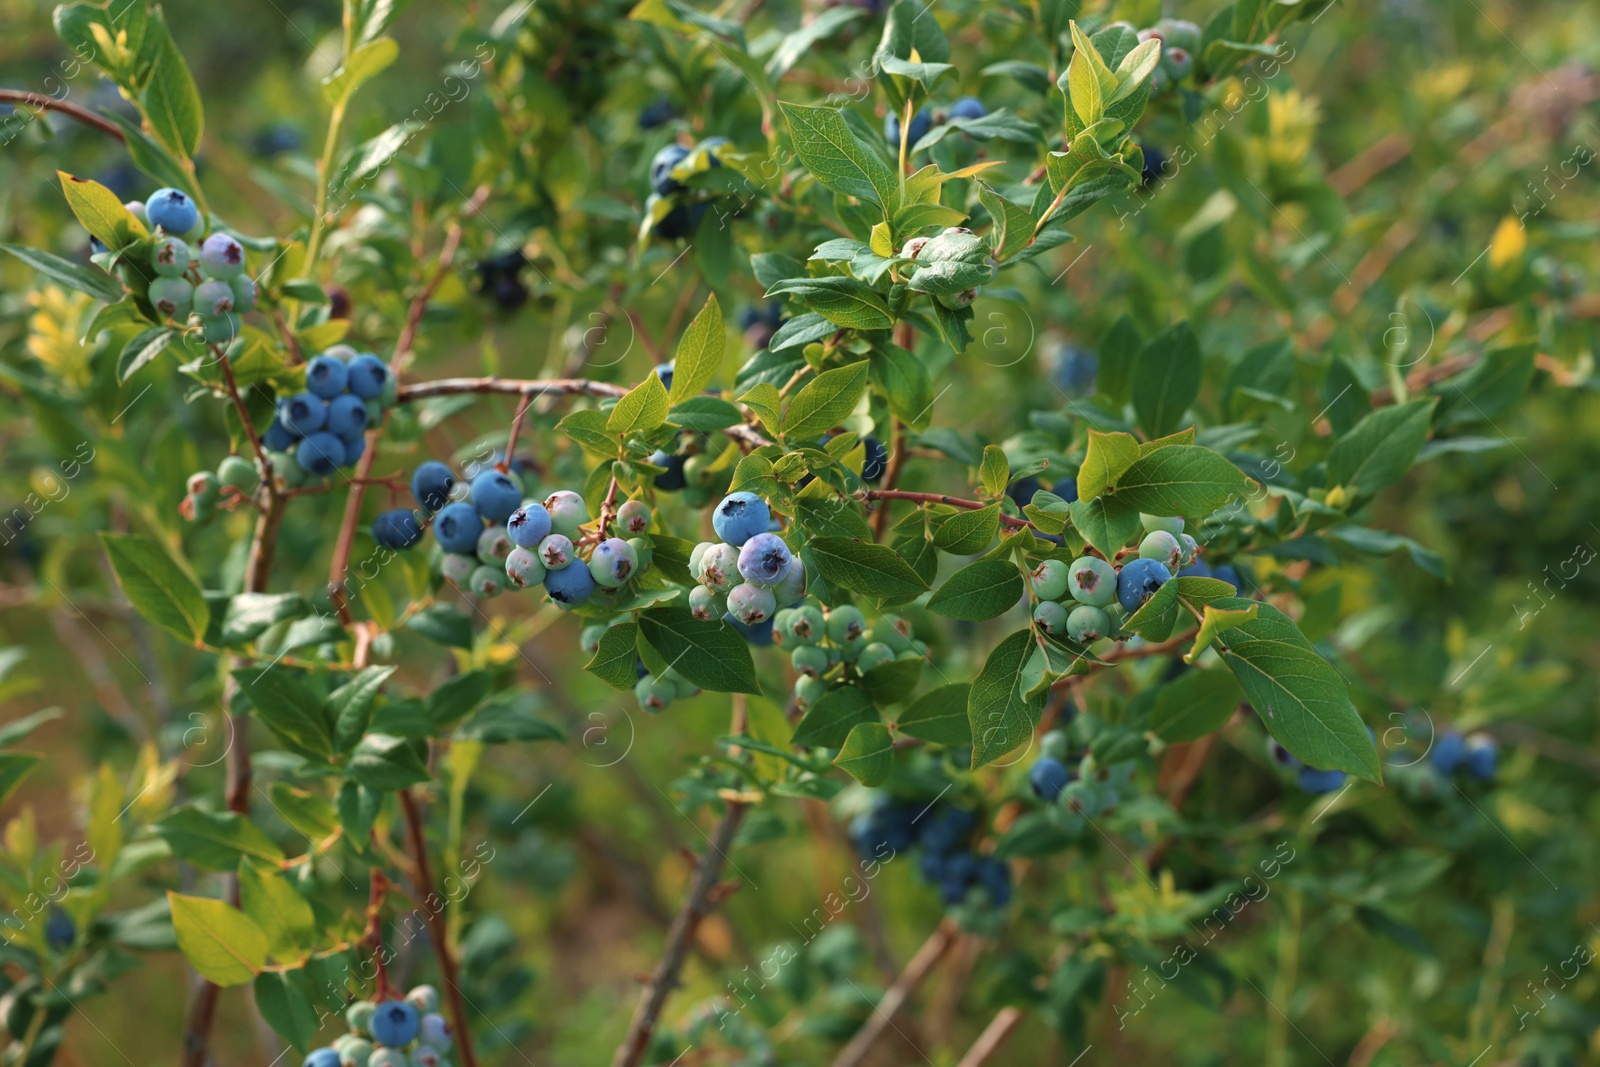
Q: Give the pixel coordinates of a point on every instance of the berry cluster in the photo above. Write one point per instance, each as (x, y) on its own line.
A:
(235, 479)
(396, 1033)
(833, 643)
(207, 290)
(968, 107)
(691, 468)
(500, 279)
(1087, 789)
(673, 209)
(1179, 38)
(1310, 779)
(1477, 754)
(944, 832)
(750, 573)
(322, 429)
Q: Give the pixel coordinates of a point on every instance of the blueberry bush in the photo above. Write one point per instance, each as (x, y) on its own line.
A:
(798, 533)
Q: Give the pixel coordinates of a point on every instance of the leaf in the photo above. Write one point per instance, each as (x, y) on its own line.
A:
(453, 700)
(274, 905)
(97, 284)
(17, 729)
(643, 408)
(218, 940)
(967, 532)
(157, 587)
(171, 98)
(862, 567)
(797, 44)
(939, 716)
(614, 660)
(309, 813)
(14, 767)
(1083, 80)
(100, 212)
(444, 623)
(215, 840)
(978, 591)
(1297, 694)
(994, 470)
(1166, 380)
(1158, 615)
(358, 807)
(829, 721)
(1493, 384)
(1108, 455)
(825, 401)
(248, 615)
(286, 1008)
(999, 711)
(1378, 450)
(350, 705)
(289, 708)
(798, 332)
(838, 159)
(366, 63)
(1106, 522)
(384, 762)
(867, 754)
(1214, 621)
(1193, 704)
(700, 352)
(846, 302)
(893, 682)
(709, 653)
(1187, 480)
(142, 348)
(508, 720)
(1382, 543)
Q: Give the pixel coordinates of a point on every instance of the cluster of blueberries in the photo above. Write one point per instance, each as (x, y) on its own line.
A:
(1080, 598)
(748, 575)
(820, 640)
(1087, 789)
(323, 428)
(396, 1033)
(1179, 38)
(1477, 754)
(943, 832)
(208, 289)
(673, 209)
(234, 479)
(500, 279)
(1311, 780)
(968, 107)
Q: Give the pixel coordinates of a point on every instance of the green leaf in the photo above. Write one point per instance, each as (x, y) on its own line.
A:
(1492, 385)
(1297, 694)
(1214, 621)
(825, 401)
(588, 428)
(384, 762)
(613, 661)
(1193, 704)
(157, 587)
(366, 63)
(218, 940)
(143, 347)
(509, 719)
(1013, 225)
(1382, 543)
(17, 729)
(829, 721)
(709, 653)
(1166, 380)
(978, 591)
(862, 567)
(14, 767)
(1083, 80)
(642, 409)
(846, 302)
(867, 754)
(358, 807)
(100, 212)
(97, 284)
(289, 708)
(215, 840)
(967, 532)
(700, 352)
(837, 158)
(248, 615)
(1187, 480)
(286, 1008)
(1106, 522)
(994, 470)
(350, 705)
(1000, 710)
(273, 904)
(453, 700)
(939, 716)
(893, 682)
(1157, 616)
(1378, 450)
(309, 813)
(796, 45)
(445, 624)
(1108, 455)
(707, 414)
(171, 99)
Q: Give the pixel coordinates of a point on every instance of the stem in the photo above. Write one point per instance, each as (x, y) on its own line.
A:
(340, 563)
(938, 498)
(891, 474)
(249, 424)
(994, 1035)
(695, 908)
(375, 931)
(895, 996)
(82, 114)
(436, 926)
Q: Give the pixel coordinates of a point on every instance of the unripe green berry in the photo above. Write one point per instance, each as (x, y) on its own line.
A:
(875, 655)
(1049, 580)
(1050, 617)
(809, 659)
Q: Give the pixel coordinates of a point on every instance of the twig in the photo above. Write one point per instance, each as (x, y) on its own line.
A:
(895, 996)
(516, 429)
(447, 255)
(937, 498)
(440, 936)
(891, 474)
(994, 1035)
(695, 908)
(46, 103)
(340, 563)
(249, 424)
(374, 933)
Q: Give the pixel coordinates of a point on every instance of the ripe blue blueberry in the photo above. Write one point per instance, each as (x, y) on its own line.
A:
(1198, 569)
(968, 107)
(303, 413)
(524, 569)
(368, 375)
(740, 517)
(528, 525)
(759, 634)
(1075, 370)
(921, 123)
(244, 293)
(1087, 624)
(765, 560)
(1048, 777)
(322, 1057)
(1482, 755)
(613, 562)
(320, 453)
(496, 495)
(59, 929)
(1091, 580)
(457, 527)
(431, 484)
(569, 586)
(1449, 752)
(170, 258)
(327, 376)
(993, 876)
(394, 1024)
(1227, 572)
(661, 181)
(396, 529)
(671, 479)
(278, 437)
(172, 210)
(664, 372)
(1138, 581)
(751, 604)
(221, 257)
(173, 297)
(1312, 780)
(1049, 579)
(347, 415)
(567, 511)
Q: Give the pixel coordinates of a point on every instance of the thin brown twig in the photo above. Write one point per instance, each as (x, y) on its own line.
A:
(891, 474)
(896, 995)
(994, 1035)
(440, 933)
(47, 103)
(936, 498)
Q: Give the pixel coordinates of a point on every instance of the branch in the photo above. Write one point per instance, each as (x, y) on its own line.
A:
(46, 103)
(894, 998)
(938, 498)
(694, 909)
(994, 1035)
(447, 255)
(439, 935)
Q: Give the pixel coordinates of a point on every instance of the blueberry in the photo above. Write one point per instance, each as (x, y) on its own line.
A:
(59, 929)
(806, 626)
(368, 375)
(1197, 569)
(751, 604)
(664, 372)
(1226, 572)
(1048, 777)
(876, 461)
(681, 221)
(354, 1051)
(1311, 780)
(388, 1057)
(719, 567)
(431, 484)
(1075, 370)
(303, 413)
(1481, 756)
(1162, 546)
(670, 480)
(846, 624)
(556, 552)
(759, 634)
(613, 562)
(327, 376)
(1087, 624)
(968, 107)
(170, 258)
(493, 546)
(1050, 617)
(347, 415)
(528, 525)
(172, 210)
(661, 179)
(764, 560)
(487, 581)
(740, 516)
(173, 297)
(1449, 752)
(921, 123)
(1172, 525)
(322, 1057)
(807, 691)
(496, 495)
(947, 829)
(634, 517)
(712, 147)
(652, 694)
(658, 112)
(1091, 580)
(396, 529)
(995, 878)
(1280, 755)
(1155, 163)
(567, 511)
(956, 876)
(569, 586)
(524, 569)
(219, 329)
(320, 453)
(238, 472)
(1021, 491)
(457, 527)
(221, 257)
(1066, 488)
(427, 1055)
(359, 1016)
(1049, 579)
(457, 567)
(394, 1024)
(1191, 549)
(873, 656)
(1138, 581)
(706, 603)
(791, 589)
(136, 209)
